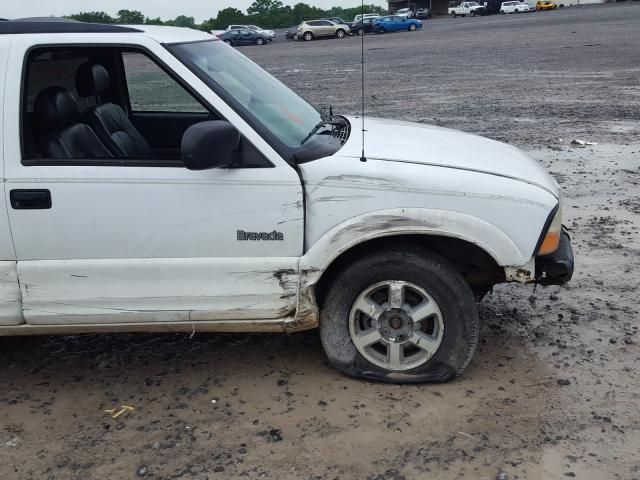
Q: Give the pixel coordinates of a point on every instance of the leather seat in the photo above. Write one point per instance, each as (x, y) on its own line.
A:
(60, 135)
(109, 120)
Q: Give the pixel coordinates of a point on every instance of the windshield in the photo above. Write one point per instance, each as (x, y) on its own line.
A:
(259, 95)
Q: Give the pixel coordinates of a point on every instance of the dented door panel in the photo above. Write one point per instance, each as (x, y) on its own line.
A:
(155, 244)
(158, 290)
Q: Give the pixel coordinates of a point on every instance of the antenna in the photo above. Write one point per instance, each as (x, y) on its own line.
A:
(363, 158)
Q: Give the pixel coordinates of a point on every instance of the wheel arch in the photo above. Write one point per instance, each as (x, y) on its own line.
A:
(477, 266)
(452, 234)
(440, 230)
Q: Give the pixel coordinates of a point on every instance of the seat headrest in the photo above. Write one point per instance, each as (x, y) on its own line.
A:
(91, 79)
(54, 108)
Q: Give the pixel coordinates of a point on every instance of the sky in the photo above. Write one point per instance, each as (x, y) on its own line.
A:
(166, 9)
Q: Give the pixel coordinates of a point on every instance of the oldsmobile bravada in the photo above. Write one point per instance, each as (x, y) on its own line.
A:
(157, 180)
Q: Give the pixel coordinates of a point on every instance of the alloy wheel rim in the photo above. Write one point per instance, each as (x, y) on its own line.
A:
(396, 325)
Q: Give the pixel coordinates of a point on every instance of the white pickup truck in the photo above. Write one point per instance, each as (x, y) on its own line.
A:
(467, 8)
(156, 180)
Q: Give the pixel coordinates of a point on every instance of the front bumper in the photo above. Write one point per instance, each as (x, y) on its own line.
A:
(557, 267)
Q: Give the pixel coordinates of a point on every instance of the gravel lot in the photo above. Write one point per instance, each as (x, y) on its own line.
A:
(553, 392)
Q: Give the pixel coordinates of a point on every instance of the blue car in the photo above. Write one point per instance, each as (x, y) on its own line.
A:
(395, 23)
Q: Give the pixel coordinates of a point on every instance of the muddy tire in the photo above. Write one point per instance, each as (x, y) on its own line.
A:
(400, 316)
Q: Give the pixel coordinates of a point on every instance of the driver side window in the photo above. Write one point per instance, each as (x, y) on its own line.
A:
(103, 105)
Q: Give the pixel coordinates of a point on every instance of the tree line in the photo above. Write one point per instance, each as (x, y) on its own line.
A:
(265, 13)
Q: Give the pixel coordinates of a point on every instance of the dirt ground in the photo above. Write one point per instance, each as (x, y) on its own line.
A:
(553, 392)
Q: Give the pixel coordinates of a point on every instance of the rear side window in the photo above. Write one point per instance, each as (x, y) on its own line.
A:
(151, 89)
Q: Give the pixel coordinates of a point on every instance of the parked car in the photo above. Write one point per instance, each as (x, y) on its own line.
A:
(321, 28)
(423, 13)
(492, 6)
(513, 7)
(366, 15)
(545, 5)
(336, 20)
(291, 33)
(183, 188)
(267, 33)
(244, 36)
(467, 8)
(393, 23)
(404, 13)
(363, 26)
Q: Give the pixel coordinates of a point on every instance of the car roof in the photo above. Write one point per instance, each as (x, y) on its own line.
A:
(159, 33)
(57, 26)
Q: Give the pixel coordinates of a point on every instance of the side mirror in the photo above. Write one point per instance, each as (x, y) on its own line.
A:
(209, 144)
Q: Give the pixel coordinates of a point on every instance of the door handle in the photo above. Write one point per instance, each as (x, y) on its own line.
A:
(38, 199)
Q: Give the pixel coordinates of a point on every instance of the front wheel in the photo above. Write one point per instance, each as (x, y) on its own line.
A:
(502, 12)
(340, 33)
(228, 42)
(360, 32)
(412, 27)
(516, 11)
(453, 14)
(473, 14)
(308, 36)
(404, 315)
(259, 41)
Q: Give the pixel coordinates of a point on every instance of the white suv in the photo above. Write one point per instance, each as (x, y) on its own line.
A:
(404, 13)
(158, 180)
(513, 7)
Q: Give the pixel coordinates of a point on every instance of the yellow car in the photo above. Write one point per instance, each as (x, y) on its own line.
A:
(545, 5)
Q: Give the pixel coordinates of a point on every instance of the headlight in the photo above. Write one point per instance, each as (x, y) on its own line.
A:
(551, 239)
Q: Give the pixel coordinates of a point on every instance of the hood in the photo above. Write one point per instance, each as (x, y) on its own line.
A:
(408, 142)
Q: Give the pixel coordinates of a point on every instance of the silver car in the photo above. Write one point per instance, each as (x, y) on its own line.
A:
(321, 28)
